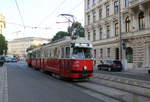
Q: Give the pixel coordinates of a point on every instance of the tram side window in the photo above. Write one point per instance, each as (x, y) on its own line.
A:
(49, 53)
(67, 52)
(62, 52)
(55, 53)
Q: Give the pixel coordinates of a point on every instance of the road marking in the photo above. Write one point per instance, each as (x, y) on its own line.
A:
(3, 84)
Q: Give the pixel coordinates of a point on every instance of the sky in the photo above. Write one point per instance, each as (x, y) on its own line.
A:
(37, 18)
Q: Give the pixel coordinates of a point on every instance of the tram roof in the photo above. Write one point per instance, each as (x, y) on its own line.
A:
(68, 39)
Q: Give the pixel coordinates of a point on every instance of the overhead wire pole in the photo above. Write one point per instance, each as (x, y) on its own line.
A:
(122, 44)
(120, 35)
(21, 17)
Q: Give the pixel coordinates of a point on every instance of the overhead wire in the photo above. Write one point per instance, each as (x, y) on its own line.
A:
(53, 11)
(21, 17)
(26, 26)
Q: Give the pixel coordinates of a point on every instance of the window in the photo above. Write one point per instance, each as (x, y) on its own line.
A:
(101, 53)
(67, 52)
(62, 52)
(88, 35)
(100, 13)
(126, 3)
(107, 10)
(100, 33)
(108, 52)
(94, 35)
(94, 16)
(127, 21)
(95, 53)
(141, 20)
(81, 53)
(116, 29)
(88, 19)
(108, 32)
(116, 7)
(88, 3)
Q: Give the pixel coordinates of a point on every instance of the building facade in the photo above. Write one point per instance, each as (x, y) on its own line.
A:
(102, 20)
(2, 23)
(19, 46)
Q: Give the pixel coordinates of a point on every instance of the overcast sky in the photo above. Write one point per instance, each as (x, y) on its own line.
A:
(38, 13)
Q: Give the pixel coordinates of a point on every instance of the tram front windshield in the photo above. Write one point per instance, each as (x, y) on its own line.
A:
(82, 53)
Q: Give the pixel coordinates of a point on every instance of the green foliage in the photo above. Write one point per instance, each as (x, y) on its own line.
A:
(3, 45)
(59, 35)
(76, 29)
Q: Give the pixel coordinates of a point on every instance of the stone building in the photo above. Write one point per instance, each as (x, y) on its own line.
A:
(102, 28)
(2, 23)
(19, 46)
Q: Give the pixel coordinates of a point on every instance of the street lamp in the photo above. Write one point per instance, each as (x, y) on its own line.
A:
(122, 43)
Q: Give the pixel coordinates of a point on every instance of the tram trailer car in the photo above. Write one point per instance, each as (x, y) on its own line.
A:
(68, 58)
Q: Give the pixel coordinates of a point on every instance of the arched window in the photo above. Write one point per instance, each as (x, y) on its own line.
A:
(141, 20)
(127, 21)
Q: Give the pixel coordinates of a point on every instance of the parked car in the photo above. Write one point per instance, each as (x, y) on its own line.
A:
(149, 71)
(13, 60)
(8, 59)
(2, 60)
(110, 65)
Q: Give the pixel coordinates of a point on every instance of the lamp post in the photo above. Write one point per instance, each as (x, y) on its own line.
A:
(120, 35)
(121, 42)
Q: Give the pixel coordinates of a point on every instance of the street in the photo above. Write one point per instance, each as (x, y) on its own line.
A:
(29, 85)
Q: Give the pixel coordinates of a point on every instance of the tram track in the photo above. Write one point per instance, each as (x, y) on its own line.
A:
(127, 81)
(102, 83)
(122, 95)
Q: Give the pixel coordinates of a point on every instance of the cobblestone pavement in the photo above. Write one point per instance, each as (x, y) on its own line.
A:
(3, 84)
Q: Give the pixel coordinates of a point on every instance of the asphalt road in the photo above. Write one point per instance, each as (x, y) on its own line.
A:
(28, 85)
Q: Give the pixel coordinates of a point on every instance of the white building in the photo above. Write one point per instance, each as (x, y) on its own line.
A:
(19, 46)
(102, 28)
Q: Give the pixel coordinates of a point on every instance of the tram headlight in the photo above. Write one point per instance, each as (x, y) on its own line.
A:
(85, 67)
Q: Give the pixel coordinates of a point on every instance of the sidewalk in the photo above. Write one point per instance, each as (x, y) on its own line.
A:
(3, 84)
(138, 70)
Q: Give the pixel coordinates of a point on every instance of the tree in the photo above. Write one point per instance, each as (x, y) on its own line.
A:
(76, 29)
(59, 35)
(3, 45)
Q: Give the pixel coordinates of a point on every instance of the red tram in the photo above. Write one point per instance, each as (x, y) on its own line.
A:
(67, 58)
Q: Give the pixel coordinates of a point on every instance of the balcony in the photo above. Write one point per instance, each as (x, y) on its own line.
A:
(134, 3)
(144, 32)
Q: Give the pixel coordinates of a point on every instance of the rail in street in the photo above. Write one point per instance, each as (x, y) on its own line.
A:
(104, 87)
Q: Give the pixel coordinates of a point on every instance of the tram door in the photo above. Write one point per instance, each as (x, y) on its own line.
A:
(64, 62)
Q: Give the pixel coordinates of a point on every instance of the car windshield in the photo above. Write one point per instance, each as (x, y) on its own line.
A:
(82, 53)
(117, 62)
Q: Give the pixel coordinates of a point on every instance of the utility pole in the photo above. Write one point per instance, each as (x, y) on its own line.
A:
(120, 35)
(122, 43)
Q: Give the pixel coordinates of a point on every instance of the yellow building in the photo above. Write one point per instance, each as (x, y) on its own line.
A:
(2, 23)
(19, 46)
